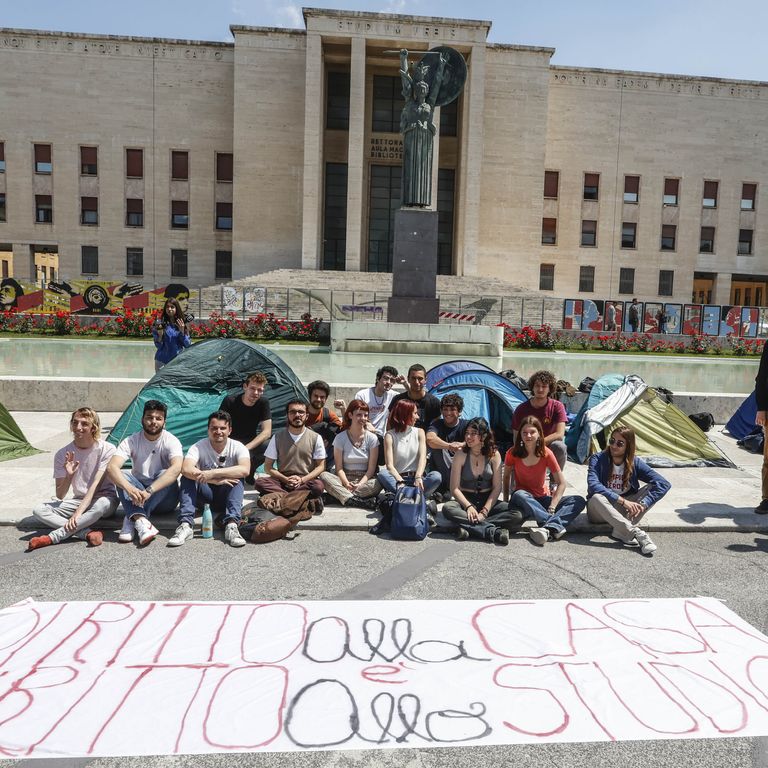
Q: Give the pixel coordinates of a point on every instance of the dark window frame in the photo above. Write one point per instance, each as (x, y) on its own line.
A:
(134, 163)
(134, 262)
(89, 160)
(134, 218)
(586, 279)
(710, 193)
(748, 196)
(224, 216)
(179, 262)
(588, 233)
(746, 244)
(548, 231)
(89, 260)
(666, 282)
(179, 165)
(631, 189)
(223, 265)
(179, 214)
(626, 280)
(87, 213)
(43, 210)
(225, 167)
(629, 235)
(671, 198)
(707, 240)
(546, 277)
(43, 157)
(591, 186)
(668, 237)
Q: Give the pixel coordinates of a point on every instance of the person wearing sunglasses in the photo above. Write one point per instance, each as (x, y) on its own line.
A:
(614, 492)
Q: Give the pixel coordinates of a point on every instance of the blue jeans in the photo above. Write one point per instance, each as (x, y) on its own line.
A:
(165, 500)
(569, 508)
(225, 500)
(431, 481)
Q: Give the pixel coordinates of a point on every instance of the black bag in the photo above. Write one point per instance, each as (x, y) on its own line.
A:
(753, 442)
(586, 384)
(704, 421)
(384, 508)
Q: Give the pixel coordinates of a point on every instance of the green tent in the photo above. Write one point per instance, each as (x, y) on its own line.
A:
(194, 384)
(13, 444)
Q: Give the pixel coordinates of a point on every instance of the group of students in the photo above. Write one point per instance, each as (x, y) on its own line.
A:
(383, 441)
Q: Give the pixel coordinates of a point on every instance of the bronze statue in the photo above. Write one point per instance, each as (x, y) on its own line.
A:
(438, 78)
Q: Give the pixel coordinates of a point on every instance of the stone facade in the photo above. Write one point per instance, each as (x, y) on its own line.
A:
(264, 98)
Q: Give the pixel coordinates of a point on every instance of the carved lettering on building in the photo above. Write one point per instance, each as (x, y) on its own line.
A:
(388, 28)
(385, 149)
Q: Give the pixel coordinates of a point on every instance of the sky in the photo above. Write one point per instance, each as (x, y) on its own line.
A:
(711, 38)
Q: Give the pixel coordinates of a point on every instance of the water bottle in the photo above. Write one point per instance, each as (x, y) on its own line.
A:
(207, 522)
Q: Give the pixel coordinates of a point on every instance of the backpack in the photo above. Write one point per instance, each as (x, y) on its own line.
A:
(409, 514)
(704, 421)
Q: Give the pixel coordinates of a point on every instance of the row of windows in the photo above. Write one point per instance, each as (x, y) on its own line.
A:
(587, 280)
(629, 236)
(134, 212)
(134, 162)
(134, 262)
(710, 190)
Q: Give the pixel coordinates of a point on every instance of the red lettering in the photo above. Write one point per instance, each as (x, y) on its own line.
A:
(377, 672)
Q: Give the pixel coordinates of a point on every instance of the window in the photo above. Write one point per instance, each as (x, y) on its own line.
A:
(89, 165)
(446, 196)
(2, 206)
(223, 166)
(89, 260)
(631, 189)
(710, 195)
(748, 195)
(626, 280)
(707, 240)
(591, 186)
(586, 279)
(668, 234)
(629, 234)
(337, 101)
(179, 214)
(335, 216)
(388, 103)
(449, 119)
(43, 209)
(384, 199)
(134, 212)
(549, 231)
(747, 296)
(551, 184)
(43, 163)
(666, 282)
(2, 157)
(671, 190)
(178, 262)
(588, 232)
(180, 165)
(134, 261)
(89, 211)
(547, 277)
(745, 242)
(223, 215)
(223, 265)
(134, 163)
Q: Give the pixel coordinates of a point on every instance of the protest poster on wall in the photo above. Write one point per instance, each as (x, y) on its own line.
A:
(78, 679)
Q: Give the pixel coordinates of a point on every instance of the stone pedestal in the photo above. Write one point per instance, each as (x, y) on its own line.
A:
(414, 268)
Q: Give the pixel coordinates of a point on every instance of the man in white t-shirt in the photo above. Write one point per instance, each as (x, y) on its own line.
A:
(81, 467)
(378, 399)
(213, 472)
(151, 485)
(295, 456)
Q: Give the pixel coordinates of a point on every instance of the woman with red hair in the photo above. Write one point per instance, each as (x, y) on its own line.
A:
(405, 452)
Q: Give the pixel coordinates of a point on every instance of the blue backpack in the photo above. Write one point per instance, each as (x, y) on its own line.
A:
(409, 514)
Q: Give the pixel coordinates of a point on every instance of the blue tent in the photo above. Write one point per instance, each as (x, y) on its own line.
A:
(437, 374)
(742, 423)
(485, 394)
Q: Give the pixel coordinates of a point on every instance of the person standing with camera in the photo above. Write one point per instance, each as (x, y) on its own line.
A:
(170, 333)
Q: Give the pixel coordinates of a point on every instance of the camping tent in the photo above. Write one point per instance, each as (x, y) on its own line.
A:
(485, 394)
(742, 423)
(13, 444)
(439, 372)
(665, 436)
(194, 384)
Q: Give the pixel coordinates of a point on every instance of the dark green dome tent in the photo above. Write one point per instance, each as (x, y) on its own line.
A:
(194, 384)
(13, 444)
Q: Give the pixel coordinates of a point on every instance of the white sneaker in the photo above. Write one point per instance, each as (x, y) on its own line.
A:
(647, 547)
(618, 536)
(146, 530)
(539, 536)
(126, 532)
(232, 535)
(182, 533)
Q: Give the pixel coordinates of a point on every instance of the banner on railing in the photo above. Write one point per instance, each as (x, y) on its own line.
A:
(142, 678)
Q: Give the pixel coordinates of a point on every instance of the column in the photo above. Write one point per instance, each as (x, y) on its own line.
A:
(23, 262)
(471, 164)
(722, 289)
(313, 153)
(355, 156)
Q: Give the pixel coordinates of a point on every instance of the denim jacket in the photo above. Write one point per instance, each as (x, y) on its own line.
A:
(599, 473)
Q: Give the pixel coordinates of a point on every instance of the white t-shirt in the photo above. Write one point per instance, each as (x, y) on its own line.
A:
(150, 458)
(205, 457)
(355, 458)
(405, 449)
(318, 452)
(378, 407)
(616, 480)
(91, 460)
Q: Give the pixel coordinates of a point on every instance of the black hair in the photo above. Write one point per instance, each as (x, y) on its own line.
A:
(155, 405)
(220, 416)
(391, 370)
(323, 386)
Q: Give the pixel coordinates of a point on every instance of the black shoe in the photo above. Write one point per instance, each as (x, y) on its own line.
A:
(762, 508)
(369, 502)
(501, 537)
(462, 534)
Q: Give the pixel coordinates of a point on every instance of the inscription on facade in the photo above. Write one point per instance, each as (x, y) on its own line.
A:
(385, 149)
(411, 31)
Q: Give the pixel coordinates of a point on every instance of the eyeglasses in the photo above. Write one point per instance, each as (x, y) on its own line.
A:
(297, 413)
(617, 443)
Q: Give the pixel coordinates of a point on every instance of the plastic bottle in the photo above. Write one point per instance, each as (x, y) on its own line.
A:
(207, 522)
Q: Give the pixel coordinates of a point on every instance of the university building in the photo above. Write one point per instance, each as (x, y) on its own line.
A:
(153, 161)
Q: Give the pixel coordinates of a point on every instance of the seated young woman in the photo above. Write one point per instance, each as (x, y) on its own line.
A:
(476, 486)
(356, 456)
(528, 460)
(614, 494)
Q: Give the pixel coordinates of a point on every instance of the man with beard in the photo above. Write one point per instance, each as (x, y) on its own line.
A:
(150, 486)
(445, 436)
(295, 456)
(427, 406)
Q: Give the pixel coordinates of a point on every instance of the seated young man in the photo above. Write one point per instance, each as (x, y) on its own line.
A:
(151, 485)
(80, 466)
(445, 437)
(321, 419)
(212, 473)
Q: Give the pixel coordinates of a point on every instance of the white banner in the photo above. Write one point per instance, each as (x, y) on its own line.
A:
(115, 678)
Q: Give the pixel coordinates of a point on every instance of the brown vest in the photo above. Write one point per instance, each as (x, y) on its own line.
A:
(295, 458)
